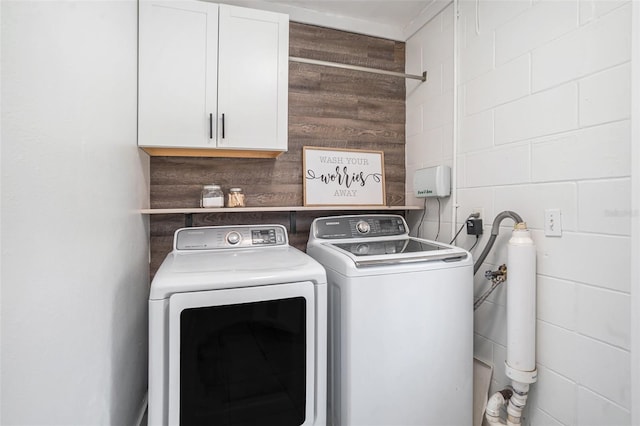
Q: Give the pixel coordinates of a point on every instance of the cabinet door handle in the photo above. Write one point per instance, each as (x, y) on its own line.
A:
(210, 126)
(223, 126)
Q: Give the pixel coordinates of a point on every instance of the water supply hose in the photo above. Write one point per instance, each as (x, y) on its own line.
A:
(495, 229)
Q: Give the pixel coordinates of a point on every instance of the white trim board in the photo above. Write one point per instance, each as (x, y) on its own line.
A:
(635, 215)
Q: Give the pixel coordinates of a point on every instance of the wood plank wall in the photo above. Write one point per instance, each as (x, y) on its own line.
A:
(328, 107)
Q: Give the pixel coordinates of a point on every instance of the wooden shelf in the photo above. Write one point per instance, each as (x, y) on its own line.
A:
(210, 152)
(198, 210)
(292, 210)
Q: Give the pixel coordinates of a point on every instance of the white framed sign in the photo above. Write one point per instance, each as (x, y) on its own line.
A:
(339, 177)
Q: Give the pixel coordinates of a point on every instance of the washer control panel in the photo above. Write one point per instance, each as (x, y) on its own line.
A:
(359, 226)
(229, 237)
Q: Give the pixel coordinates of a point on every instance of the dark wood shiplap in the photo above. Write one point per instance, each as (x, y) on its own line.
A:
(328, 107)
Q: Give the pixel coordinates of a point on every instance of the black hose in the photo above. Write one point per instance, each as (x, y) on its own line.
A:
(495, 229)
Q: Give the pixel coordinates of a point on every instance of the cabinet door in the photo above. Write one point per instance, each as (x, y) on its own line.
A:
(253, 79)
(177, 74)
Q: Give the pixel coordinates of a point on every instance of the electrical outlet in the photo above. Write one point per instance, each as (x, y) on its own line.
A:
(552, 223)
(479, 211)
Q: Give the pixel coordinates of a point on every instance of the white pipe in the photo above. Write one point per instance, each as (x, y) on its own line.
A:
(517, 402)
(515, 406)
(492, 411)
(520, 365)
(454, 160)
(521, 306)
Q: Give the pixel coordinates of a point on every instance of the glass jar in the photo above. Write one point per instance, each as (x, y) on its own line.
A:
(211, 196)
(235, 198)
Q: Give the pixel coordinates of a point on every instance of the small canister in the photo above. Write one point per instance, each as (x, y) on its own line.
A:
(235, 198)
(211, 196)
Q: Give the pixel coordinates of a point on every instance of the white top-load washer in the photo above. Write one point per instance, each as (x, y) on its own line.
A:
(237, 331)
(400, 323)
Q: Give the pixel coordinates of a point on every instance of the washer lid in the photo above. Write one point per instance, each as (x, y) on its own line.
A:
(365, 253)
(404, 245)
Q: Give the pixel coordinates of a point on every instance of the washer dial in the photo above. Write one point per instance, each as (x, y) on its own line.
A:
(363, 227)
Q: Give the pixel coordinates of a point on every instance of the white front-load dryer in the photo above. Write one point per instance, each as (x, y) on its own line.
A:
(400, 324)
(237, 331)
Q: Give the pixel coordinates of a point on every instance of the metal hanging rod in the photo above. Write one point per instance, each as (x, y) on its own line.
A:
(422, 77)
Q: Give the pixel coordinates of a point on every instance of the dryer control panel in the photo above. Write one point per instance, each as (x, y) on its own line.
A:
(229, 237)
(361, 226)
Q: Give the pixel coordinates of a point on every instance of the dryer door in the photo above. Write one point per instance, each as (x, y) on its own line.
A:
(242, 356)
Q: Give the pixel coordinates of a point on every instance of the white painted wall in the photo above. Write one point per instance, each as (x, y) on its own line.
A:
(74, 247)
(544, 112)
(429, 126)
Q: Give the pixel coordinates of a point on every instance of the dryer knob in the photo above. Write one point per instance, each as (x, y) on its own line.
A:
(233, 238)
(363, 227)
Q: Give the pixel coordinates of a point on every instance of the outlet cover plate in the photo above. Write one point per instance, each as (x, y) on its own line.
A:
(552, 223)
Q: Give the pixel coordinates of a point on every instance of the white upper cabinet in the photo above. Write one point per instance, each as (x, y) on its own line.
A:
(213, 79)
(177, 75)
(253, 67)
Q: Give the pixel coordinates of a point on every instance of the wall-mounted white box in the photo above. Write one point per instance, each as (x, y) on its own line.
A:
(432, 182)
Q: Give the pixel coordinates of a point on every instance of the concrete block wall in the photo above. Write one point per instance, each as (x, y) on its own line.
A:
(544, 123)
(429, 124)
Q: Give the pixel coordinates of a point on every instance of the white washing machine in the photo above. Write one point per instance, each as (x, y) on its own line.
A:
(400, 324)
(237, 331)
